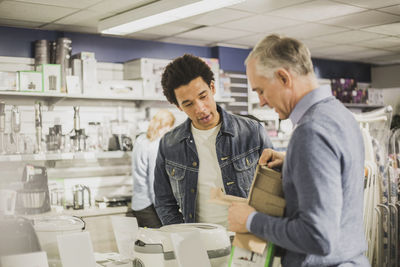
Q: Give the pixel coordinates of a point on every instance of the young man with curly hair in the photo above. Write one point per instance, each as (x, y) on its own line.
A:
(212, 148)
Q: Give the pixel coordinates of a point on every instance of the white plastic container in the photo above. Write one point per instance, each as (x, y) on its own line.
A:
(47, 230)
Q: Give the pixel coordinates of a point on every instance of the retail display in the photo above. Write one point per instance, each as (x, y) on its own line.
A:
(381, 190)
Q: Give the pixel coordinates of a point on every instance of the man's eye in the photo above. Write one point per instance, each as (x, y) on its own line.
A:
(203, 96)
(188, 105)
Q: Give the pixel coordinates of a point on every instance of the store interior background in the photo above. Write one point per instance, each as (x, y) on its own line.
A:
(348, 39)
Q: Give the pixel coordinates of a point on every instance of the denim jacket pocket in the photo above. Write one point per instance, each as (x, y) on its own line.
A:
(176, 176)
(244, 166)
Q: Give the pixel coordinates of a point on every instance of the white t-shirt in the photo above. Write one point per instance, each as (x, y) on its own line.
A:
(209, 176)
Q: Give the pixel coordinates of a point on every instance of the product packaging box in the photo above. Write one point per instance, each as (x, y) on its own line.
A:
(266, 196)
(89, 76)
(84, 55)
(30, 81)
(8, 81)
(129, 88)
(144, 68)
(51, 77)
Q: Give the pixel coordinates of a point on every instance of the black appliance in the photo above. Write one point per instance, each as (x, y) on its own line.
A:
(33, 197)
(120, 142)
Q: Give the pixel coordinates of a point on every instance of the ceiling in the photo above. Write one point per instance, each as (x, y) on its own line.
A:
(354, 30)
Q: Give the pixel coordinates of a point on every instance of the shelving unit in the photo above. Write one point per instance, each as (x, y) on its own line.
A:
(53, 98)
(65, 156)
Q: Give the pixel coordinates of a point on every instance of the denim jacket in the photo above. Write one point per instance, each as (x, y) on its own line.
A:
(239, 144)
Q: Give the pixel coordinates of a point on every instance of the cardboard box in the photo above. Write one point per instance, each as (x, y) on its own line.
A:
(30, 81)
(51, 74)
(266, 196)
(8, 81)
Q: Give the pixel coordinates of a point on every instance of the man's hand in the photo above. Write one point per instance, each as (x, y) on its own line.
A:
(237, 216)
(271, 158)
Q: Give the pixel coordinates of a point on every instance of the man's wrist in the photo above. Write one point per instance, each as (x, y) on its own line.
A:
(250, 219)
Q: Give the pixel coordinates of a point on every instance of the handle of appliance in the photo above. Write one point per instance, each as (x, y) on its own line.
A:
(89, 193)
(84, 223)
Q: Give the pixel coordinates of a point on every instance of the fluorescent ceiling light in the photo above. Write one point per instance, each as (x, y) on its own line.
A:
(159, 13)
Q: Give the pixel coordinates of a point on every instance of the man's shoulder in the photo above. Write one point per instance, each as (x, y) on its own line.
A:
(174, 136)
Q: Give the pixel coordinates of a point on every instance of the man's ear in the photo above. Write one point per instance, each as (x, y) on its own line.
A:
(283, 76)
(212, 87)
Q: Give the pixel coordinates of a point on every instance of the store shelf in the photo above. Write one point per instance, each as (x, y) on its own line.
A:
(56, 97)
(65, 156)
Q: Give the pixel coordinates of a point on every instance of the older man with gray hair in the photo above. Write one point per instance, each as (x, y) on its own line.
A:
(322, 170)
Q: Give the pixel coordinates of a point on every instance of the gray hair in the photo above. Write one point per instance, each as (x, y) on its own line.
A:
(276, 51)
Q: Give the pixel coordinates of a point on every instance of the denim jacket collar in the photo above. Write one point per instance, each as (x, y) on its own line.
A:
(226, 125)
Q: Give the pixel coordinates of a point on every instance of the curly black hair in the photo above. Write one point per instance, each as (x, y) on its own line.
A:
(182, 71)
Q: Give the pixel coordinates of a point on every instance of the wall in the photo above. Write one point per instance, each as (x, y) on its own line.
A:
(385, 76)
(17, 42)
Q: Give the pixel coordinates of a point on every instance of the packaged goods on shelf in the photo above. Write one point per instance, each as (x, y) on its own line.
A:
(89, 76)
(133, 88)
(30, 81)
(8, 81)
(51, 77)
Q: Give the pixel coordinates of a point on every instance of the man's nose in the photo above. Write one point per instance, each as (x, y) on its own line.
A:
(263, 102)
(200, 107)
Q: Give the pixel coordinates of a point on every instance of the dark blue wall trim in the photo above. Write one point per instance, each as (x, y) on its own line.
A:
(325, 68)
(231, 59)
(18, 42)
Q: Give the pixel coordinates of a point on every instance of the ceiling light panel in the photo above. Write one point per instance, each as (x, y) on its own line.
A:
(159, 13)
(260, 23)
(363, 19)
(316, 10)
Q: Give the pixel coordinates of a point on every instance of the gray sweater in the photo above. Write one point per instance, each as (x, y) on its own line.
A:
(323, 177)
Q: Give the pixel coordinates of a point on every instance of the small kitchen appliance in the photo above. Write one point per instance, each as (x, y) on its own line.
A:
(154, 247)
(33, 197)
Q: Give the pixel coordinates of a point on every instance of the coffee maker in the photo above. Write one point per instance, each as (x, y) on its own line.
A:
(33, 197)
